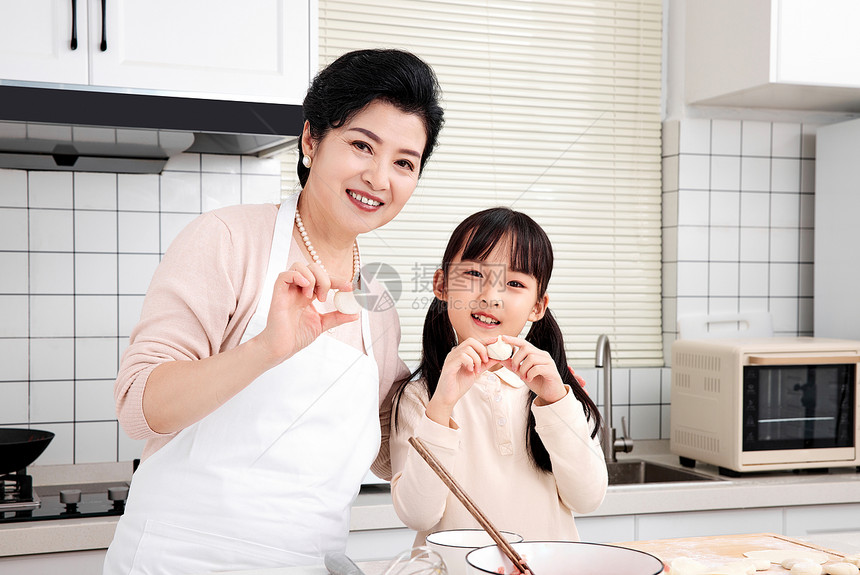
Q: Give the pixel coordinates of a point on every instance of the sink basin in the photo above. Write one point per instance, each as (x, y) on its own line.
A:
(639, 472)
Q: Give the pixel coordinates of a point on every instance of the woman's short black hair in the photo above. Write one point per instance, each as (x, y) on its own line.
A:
(355, 79)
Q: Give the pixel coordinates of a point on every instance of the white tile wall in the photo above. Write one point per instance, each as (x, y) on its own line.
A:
(77, 251)
(751, 215)
(50, 190)
(639, 395)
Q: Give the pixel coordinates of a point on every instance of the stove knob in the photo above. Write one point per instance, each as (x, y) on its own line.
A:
(70, 496)
(118, 493)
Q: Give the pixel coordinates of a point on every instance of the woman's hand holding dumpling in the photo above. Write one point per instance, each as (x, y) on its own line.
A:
(293, 322)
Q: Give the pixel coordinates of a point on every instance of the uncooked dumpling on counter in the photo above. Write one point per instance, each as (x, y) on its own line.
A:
(805, 568)
(842, 568)
(780, 555)
(744, 567)
(687, 566)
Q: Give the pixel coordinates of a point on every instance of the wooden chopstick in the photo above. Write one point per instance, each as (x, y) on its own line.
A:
(464, 498)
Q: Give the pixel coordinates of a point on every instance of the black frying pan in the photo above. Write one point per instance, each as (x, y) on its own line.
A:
(20, 447)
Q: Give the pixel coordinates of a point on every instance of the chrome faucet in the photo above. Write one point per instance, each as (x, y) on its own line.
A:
(603, 358)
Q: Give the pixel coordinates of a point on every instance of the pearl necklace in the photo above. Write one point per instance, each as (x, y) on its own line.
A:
(356, 258)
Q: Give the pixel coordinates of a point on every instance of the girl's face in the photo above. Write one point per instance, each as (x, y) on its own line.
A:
(363, 172)
(487, 298)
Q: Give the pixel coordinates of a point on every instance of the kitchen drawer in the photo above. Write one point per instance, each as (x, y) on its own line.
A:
(70, 563)
(606, 529)
(377, 544)
(708, 523)
(815, 519)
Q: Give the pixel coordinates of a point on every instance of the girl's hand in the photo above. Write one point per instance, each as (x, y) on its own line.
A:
(293, 322)
(537, 369)
(461, 369)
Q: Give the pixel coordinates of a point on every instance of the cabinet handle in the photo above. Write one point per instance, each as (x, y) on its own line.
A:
(74, 43)
(103, 45)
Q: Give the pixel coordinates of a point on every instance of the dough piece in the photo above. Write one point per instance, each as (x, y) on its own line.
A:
(842, 569)
(761, 564)
(345, 302)
(500, 350)
(780, 555)
(791, 562)
(744, 567)
(687, 566)
(853, 559)
(806, 568)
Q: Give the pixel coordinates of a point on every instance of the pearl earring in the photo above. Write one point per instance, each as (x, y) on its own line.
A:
(306, 161)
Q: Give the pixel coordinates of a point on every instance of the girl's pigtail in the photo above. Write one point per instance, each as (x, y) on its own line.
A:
(546, 334)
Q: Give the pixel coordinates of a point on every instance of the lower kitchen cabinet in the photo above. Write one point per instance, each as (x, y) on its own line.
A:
(650, 526)
(69, 563)
(800, 521)
(607, 529)
(704, 523)
(818, 519)
(378, 544)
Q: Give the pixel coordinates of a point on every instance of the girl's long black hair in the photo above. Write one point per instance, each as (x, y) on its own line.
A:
(531, 253)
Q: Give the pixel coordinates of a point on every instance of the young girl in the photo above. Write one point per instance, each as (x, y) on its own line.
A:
(519, 435)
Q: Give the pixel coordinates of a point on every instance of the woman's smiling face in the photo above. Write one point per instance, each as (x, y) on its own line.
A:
(366, 170)
(487, 298)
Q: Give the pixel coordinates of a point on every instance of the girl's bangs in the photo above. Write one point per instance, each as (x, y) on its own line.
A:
(530, 251)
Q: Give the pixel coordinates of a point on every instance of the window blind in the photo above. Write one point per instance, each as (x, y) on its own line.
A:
(552, 108)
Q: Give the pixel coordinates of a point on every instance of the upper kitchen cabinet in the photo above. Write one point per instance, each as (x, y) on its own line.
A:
(785, 54)
(43, 41)
(262, 51)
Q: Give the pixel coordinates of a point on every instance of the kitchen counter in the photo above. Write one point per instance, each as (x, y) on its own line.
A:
(766, 489)
(373, 509)
(711, 551)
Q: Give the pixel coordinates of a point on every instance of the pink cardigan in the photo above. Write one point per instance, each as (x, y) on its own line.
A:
(200, 301)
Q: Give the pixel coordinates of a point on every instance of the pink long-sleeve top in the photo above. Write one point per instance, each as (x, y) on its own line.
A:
(485, 451)
(200, 301)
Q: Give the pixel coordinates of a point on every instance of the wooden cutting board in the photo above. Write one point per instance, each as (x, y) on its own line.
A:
(717, 550)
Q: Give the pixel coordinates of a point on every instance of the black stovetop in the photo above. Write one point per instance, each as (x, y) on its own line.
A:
(44, 502)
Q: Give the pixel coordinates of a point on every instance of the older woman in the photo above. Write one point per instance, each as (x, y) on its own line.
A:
(259, 400)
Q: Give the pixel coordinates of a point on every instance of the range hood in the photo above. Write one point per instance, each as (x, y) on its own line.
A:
(102, 131)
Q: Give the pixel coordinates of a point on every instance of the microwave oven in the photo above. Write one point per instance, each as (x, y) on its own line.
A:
(763, 404)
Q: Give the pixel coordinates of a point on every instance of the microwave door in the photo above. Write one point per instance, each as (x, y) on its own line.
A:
(798, 406)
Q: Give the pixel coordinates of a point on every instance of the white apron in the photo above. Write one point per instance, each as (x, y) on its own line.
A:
(267, 479)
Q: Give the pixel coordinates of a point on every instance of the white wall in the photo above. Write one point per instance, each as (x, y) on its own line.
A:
(77, 251)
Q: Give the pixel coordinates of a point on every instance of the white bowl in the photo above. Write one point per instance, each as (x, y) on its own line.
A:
(566, 558)
(453, 545)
